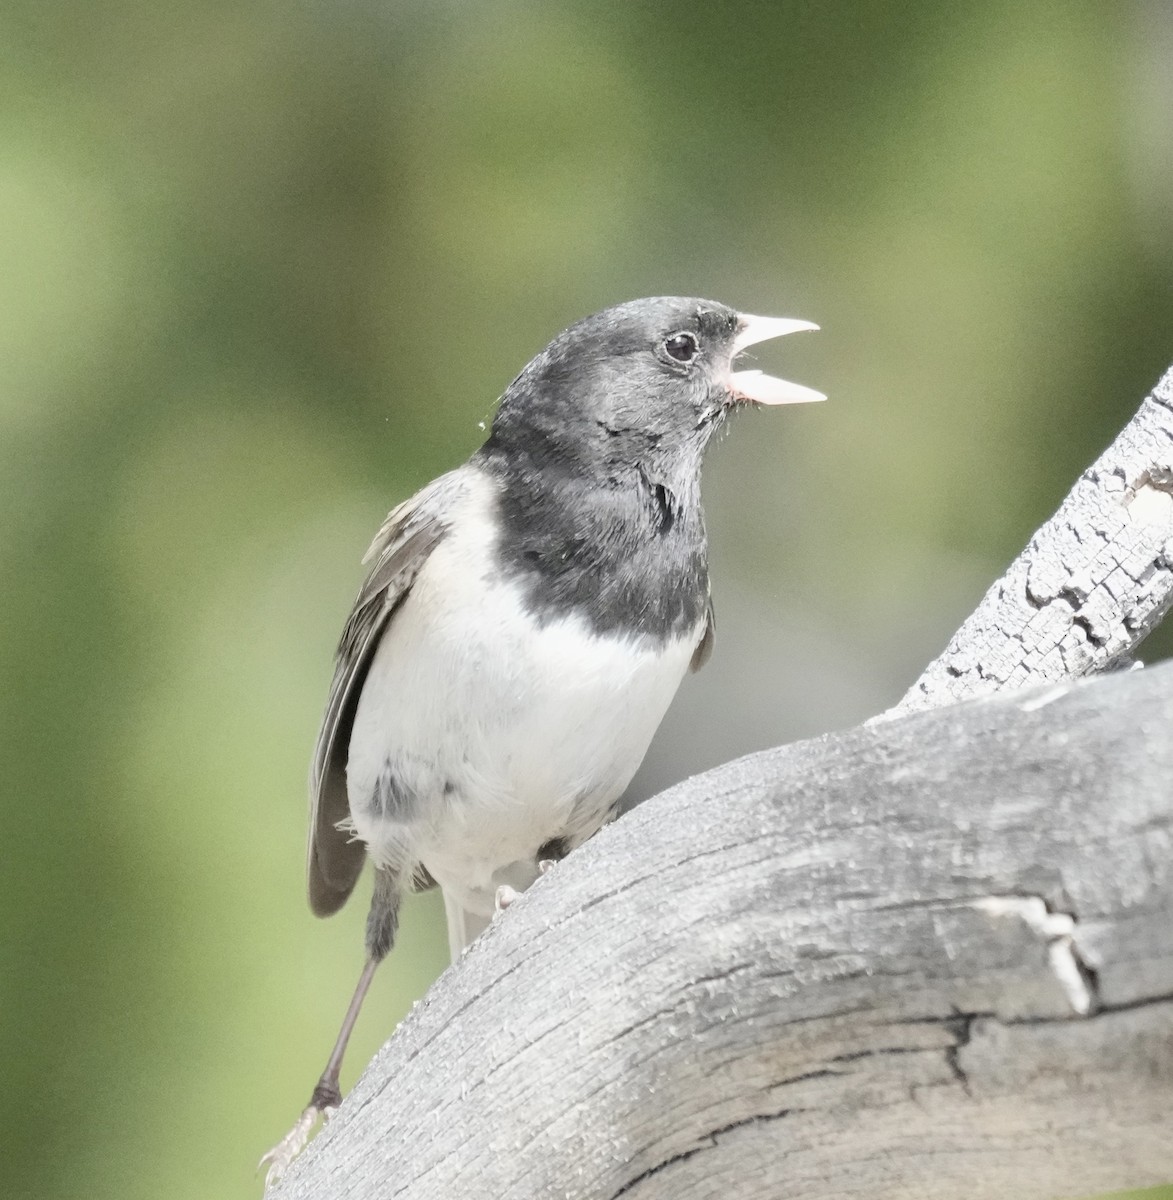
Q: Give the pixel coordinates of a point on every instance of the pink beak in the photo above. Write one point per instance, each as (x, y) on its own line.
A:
(756, 387)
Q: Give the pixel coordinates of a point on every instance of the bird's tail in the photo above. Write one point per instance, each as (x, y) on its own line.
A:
(463, 926)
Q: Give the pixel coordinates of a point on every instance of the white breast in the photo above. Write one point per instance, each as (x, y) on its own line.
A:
(500, 733)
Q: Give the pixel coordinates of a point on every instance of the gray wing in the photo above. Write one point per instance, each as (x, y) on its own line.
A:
(401, 547)
(704, 647)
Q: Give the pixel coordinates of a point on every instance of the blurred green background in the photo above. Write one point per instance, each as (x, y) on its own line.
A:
(264, 268)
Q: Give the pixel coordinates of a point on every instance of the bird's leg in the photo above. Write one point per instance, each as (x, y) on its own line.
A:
(546, 865)
(327, 1095)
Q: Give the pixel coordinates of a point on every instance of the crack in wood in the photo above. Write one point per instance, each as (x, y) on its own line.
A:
(709, 1142)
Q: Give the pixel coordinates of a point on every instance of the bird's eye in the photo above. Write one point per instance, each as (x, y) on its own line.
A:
(682, 347)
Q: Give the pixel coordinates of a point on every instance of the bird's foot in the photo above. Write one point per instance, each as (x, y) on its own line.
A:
(546, 865)
(504, 898)
(293, 1143)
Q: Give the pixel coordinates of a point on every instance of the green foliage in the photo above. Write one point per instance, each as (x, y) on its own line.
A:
(265, 268)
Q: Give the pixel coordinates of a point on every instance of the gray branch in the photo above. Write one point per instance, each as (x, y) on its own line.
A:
(929, 956)
(1091, 585)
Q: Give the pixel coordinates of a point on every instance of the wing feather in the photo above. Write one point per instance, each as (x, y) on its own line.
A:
(410, 533)
(704, 647)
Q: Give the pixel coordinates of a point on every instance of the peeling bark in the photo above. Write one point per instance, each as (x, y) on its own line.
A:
(1090, 586)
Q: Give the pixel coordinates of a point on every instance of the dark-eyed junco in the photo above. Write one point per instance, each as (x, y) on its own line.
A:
(526, 620)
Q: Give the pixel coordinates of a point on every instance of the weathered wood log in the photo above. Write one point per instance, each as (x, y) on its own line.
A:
(928, 957)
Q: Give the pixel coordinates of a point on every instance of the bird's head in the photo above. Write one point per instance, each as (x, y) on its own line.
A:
(652, 377)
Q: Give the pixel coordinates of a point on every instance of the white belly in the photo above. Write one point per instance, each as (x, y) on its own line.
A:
(499, 734)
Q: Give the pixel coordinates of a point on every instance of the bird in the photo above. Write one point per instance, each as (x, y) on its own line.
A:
(522, 628)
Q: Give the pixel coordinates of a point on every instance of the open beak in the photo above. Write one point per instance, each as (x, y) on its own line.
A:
(755, 387)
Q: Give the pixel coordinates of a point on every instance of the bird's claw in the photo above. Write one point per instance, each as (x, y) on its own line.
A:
(504, 898)
(291, 1145)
